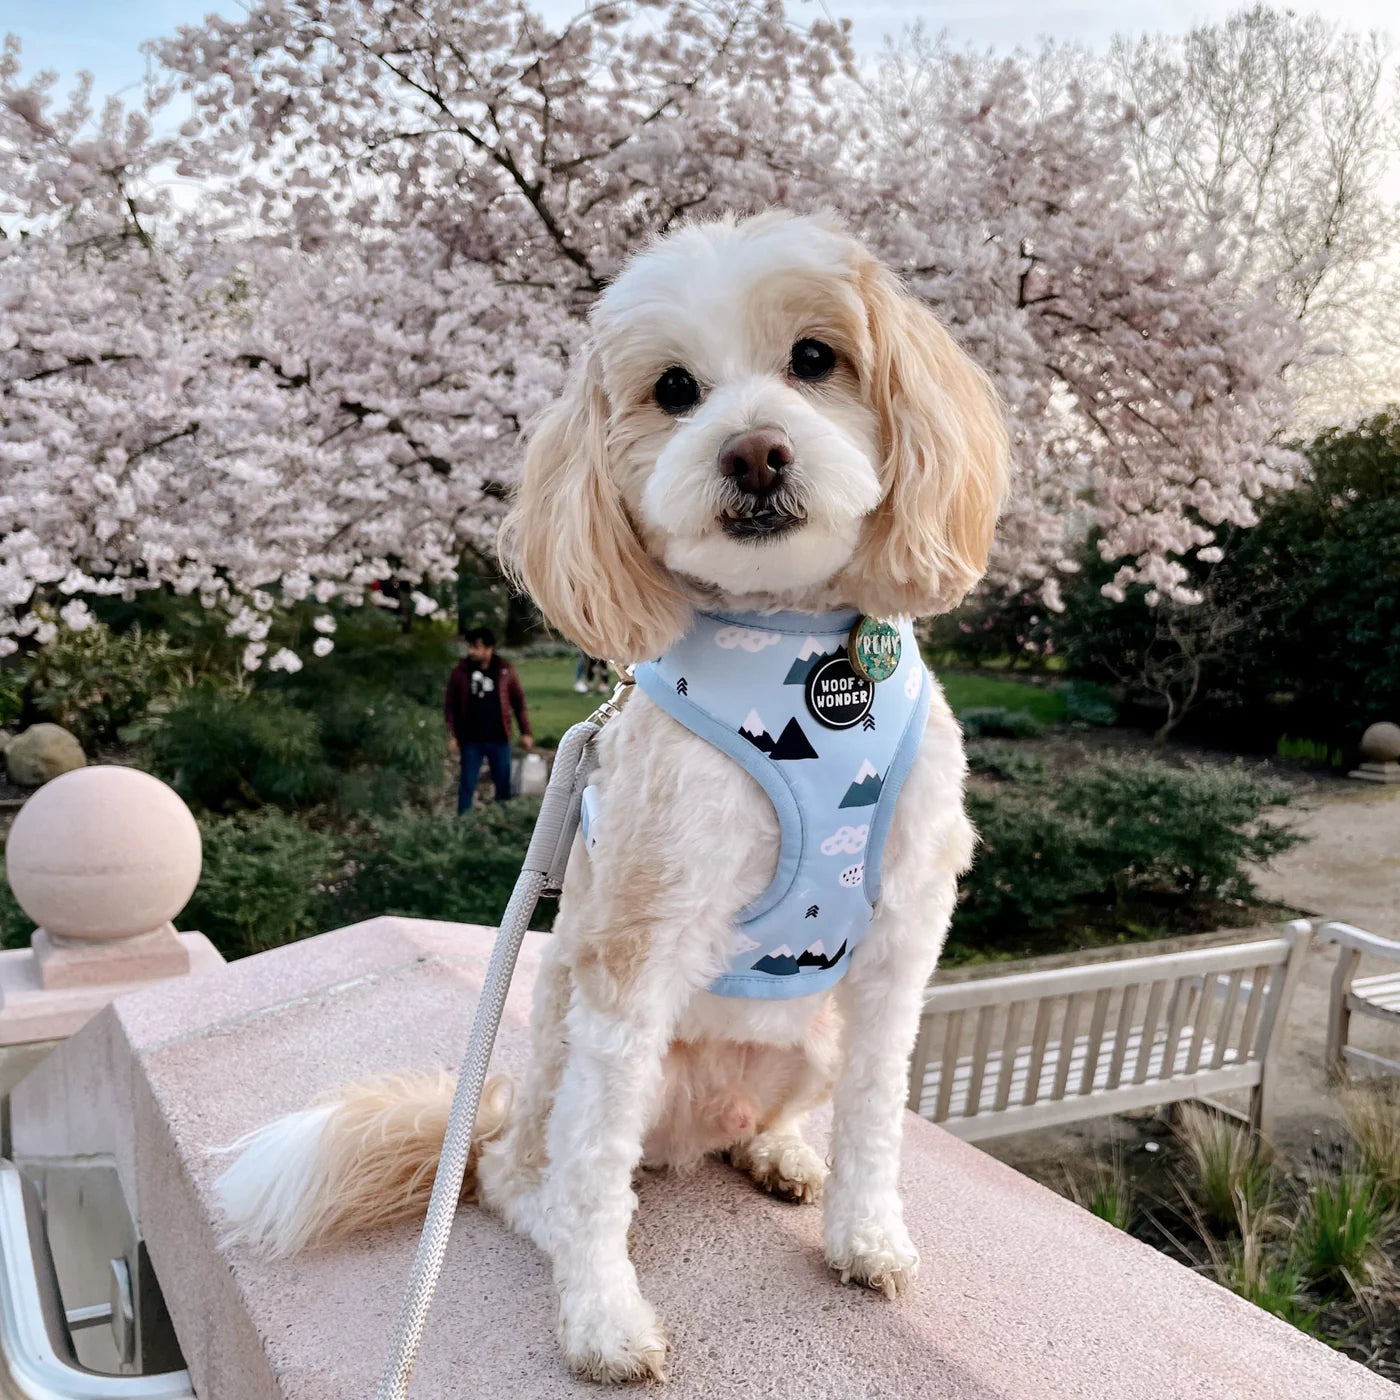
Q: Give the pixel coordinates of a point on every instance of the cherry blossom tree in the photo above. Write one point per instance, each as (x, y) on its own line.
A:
(317, 376)
(545, 153)
(1281, 126)
(1144, 376)
(320, 380)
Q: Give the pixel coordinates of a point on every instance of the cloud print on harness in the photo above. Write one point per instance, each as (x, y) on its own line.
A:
(865, 791)
(846, 841)
(728, 638)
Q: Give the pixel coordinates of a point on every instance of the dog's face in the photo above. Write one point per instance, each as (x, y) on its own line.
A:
(741, 436)
(762, 418)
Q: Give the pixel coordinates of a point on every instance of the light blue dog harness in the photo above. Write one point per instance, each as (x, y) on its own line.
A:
(776, 692)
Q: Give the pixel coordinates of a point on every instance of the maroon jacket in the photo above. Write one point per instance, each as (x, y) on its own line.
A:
(459, 688)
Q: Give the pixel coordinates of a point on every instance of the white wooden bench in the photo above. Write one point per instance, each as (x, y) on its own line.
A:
(1000, 1055)
(1378, 996)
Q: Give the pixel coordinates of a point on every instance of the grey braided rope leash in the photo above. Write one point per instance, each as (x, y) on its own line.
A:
(542, 871)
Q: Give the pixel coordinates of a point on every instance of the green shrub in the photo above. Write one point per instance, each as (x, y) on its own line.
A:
(15, 924)
(225, 751)
(1249, 1267)
(999, 761)
(1337, 1238)
(1373, 1124)
(1195, 830)
(1032, 867)
(1299, 630)
(1088, 703)
(996, 721)
(461, 869)
(1310, 751)
(268, 879)
(1109, 1193)
(95, 680)
(387, 751)
(1229, 1176)
(1113, 831)
(12, 683)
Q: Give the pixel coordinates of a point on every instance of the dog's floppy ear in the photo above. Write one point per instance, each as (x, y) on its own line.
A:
(569, 541)
(945, 460)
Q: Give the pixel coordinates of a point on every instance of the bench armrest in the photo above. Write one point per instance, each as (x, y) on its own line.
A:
(1359, 941)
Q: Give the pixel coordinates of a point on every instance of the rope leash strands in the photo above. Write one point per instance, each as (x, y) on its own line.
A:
(542, 873)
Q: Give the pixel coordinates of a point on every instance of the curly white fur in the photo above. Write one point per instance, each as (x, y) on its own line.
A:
(618, 530)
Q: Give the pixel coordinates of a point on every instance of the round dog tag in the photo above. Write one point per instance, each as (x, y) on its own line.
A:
(837, 696)
(874, 648)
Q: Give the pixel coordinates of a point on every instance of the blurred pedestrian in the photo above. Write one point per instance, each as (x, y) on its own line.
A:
(483, 692)
(589, 673)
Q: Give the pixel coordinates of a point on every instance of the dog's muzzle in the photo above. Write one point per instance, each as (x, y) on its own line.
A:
(755, 463)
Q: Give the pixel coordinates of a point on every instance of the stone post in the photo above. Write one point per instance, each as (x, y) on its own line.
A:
(102, 859)
(1380, 750)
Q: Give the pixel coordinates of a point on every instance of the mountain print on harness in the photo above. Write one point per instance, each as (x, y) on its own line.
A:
(756, 732)
(792, 743)
(865, 790)
(815, 956)
(808, 659)
(779, 963)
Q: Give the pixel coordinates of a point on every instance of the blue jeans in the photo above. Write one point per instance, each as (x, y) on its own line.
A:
(498, 756)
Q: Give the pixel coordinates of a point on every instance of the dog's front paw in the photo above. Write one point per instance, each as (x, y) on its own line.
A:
(782, 1164)
(612, 1342)
(872, 1248)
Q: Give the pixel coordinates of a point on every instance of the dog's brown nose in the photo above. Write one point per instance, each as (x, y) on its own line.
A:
(755, 460)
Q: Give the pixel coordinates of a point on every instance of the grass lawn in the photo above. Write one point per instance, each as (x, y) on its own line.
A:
(554, 706)
(968, 690)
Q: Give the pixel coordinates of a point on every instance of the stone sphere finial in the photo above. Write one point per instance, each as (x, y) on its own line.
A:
(103, 853)
(1381, 743)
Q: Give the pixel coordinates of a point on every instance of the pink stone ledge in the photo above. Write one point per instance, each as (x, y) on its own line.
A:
(1022, 1296)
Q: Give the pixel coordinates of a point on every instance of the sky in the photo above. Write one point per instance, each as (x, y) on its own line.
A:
(104, 36)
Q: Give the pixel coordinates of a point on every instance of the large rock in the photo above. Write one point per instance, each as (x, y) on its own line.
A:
(41, 752)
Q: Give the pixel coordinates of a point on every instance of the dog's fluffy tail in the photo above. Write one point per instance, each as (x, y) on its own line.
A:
(362, 1158)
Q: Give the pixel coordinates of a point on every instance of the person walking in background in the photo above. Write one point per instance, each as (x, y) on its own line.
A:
(589, 672)
(482, 693)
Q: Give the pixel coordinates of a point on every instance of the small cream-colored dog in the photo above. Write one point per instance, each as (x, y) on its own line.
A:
(763, 420)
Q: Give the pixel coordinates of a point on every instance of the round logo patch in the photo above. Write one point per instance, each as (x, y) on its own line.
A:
(874, 648)
(837, 696)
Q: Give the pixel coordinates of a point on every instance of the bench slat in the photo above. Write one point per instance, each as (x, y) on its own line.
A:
(1207, 1083)
(1009, 1042)
(959, 1103)
(1120, 1038)
(1061, 981)
(1149, 1030)
(1096, 1025)
(950, 1055)
(1177, 1012)
(980, 1043)
(1377, 986)
(1068, 1028)
(1038, 1042)
(1371, 1008)
(1259, 979)
(1205, 1004)
(1227, 1015)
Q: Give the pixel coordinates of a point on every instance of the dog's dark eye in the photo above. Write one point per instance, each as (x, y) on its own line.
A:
(676, 390)
(812, 359)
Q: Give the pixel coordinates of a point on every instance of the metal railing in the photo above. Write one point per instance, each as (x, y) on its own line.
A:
(35, 1350)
